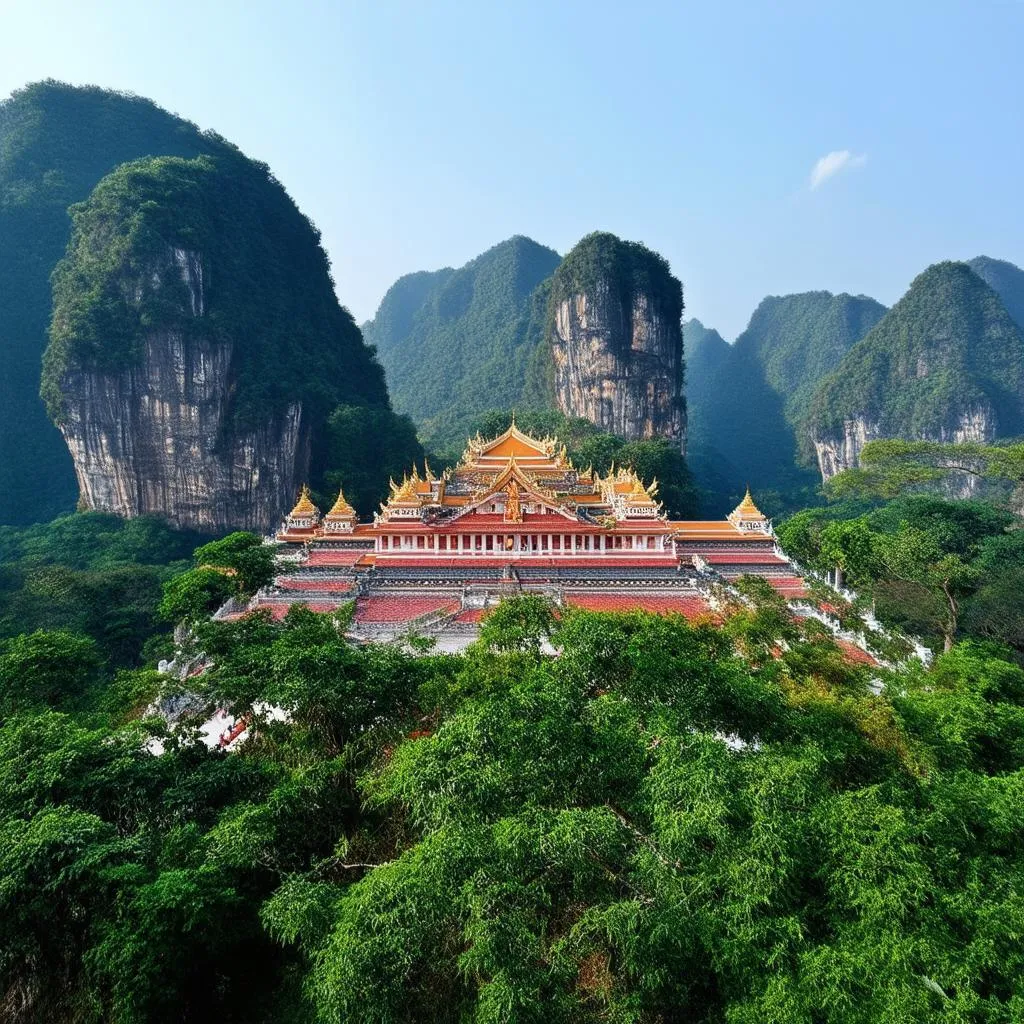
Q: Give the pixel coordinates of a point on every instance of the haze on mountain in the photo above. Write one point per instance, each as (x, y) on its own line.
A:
(747, 401)
(1006, 280)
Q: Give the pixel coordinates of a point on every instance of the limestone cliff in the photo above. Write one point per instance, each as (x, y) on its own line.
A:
(946, 363)
(615, 333)
(197, 348)
(157, 438)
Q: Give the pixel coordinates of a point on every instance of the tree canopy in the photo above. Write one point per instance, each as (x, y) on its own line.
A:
(668, 821)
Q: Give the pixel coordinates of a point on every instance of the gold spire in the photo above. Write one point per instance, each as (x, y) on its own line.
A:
(304, 506)
(341, 509)
(746, 509)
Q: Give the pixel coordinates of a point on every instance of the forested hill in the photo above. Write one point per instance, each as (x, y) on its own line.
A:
(56, 142)
(455, 343)
(707, 354)
(945, 363)
(1006, 280)
(798, 339)
(747, 402)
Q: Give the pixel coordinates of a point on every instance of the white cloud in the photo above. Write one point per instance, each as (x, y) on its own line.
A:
(832, 163)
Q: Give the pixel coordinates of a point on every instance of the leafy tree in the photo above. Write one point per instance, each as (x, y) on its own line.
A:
(892, 467)
(195, 594)
(90, 573)
(250, 561)
(46, 669)
(932, 565)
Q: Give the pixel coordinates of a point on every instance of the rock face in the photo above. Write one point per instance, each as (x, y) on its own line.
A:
(838, 454)
(945, 364)
(57, 142)
(157, 438)
(196, 352)
(616, 339)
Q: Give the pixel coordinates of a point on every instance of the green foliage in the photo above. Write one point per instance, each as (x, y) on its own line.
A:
(799, 339)
(93, 574)
(234, 566)
(195, 594)
(892, 467)
(456, 342)
(1006, 280)
(933, 567)
(56, 142)
(276, 308)
(947, 350)
(46, 670)
(647, 827)
(250, 561)
(364, 449)
(520, 625)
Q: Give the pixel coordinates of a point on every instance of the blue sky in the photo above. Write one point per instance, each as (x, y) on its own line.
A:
(417, 135)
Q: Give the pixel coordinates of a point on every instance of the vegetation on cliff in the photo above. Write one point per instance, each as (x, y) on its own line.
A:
(457, 342)
(946, 352)
(266, 287)
(94, 575)
(56, 142)
(799, 339)
(1006, 280)
(602, 260)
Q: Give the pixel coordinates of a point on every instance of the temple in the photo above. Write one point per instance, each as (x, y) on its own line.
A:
(514, 515)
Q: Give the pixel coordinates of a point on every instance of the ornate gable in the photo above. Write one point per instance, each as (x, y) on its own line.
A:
(514, 486)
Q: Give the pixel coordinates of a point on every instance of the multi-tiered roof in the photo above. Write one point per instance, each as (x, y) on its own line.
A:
(537, 472)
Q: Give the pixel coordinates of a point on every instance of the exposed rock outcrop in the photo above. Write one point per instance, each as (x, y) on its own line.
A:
(836, 454)
(615, 332)
(157, 438)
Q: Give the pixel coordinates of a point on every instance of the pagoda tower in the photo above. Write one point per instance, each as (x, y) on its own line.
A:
(305, 515)
(747, 516)
(342, 517)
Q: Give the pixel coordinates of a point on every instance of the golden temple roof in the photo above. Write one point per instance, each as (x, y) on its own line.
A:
(638, 495)
(341, 509)
(406, 493)
(746, 509)
(304, 507)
